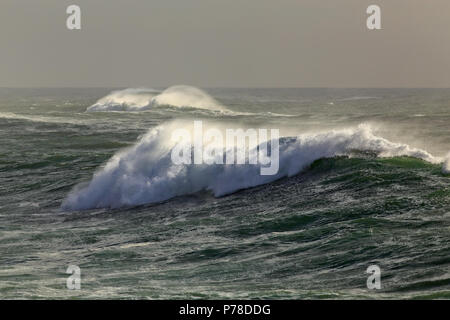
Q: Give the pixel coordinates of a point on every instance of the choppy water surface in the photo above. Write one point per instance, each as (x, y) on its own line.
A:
(365, 182)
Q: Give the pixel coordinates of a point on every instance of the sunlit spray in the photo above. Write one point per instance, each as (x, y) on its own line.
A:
(211, 147)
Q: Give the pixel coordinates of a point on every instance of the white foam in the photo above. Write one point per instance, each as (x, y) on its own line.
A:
(187, 96)
(131, 99)
(145, 173)
(446, 165)
(39, 118)
(140, 99)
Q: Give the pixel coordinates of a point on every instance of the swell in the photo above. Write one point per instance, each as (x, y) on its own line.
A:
(145, 172)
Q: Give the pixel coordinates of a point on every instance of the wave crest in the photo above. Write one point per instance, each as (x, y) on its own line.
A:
(139, 99)
(145, 173)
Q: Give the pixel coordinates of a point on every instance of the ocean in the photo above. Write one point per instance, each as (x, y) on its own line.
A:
(86, 180)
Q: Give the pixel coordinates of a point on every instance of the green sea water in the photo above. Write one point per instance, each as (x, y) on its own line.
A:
(311, 235)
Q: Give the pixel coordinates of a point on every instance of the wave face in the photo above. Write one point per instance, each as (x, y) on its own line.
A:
(145, 172)
(140, 99)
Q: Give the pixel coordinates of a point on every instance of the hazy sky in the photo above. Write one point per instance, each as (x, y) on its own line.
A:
(231, 43)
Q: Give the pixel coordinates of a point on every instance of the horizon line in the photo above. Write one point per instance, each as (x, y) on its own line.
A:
(212, 87)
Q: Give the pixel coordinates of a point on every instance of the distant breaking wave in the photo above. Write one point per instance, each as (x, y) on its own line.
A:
(139, 99)
(145, 173)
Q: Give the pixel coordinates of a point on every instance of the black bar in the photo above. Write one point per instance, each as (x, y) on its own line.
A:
(230, 309)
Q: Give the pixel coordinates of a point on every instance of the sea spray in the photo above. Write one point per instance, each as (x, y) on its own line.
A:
(145, 172)
(211, 147)
(187, 96)
(140, 99)
(446, 165)
(131, 99)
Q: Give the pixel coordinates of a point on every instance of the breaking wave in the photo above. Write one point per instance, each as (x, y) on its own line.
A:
(446, 165)
(140, 99)
(145, 172)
